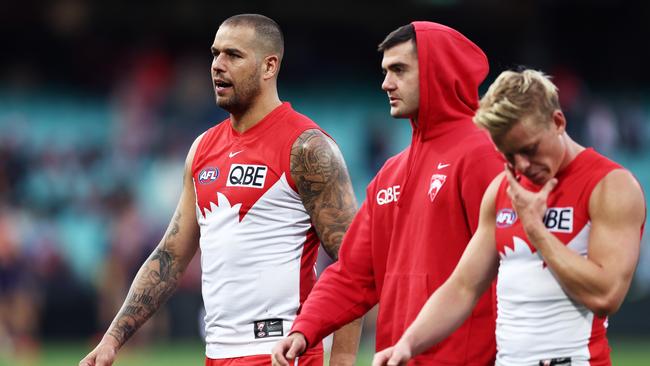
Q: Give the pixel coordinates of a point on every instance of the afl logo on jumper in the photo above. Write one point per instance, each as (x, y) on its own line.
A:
(437, 180)
(208, 175)
(506, 217)
(244, 175)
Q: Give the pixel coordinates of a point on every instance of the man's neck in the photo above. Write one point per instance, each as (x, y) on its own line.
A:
(243, 121)
(572, 150)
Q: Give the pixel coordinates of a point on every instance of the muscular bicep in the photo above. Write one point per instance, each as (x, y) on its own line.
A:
(323, 183)
(617, 213)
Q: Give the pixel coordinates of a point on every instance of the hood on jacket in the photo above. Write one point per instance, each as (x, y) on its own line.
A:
(451, 68)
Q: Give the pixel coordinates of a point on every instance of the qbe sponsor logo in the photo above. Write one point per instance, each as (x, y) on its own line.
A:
(244, 175)
(559, 219)
(506, 217)
(388, 195)
(208, 175)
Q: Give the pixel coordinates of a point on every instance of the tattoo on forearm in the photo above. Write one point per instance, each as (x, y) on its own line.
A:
(133, 310)
(153, 285)
(175, 227)
(124, 329)
(165, 260)
(323, 183)
(143, 298)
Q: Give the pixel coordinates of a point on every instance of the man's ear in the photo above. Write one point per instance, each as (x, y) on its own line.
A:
(270, 66)
(559, 121)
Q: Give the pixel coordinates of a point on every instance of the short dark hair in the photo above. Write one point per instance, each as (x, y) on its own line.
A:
(266, 28)
(400, 35)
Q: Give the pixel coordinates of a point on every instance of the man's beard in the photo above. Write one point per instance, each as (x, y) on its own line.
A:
(243, 96)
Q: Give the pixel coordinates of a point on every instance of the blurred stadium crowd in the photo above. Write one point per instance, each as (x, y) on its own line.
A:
(90, 170)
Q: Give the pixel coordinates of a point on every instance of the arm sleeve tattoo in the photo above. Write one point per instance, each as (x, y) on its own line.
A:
(152, 286)
(323, 182)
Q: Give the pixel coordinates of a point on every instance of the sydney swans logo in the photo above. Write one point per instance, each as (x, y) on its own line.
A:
(437, 180)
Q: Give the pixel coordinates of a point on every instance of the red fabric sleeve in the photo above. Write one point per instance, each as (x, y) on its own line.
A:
(346, 290)
(485, 163)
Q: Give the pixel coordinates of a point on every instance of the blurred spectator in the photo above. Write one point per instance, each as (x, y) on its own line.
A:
(634, 123)
(19, 315)
(378, 143)
(602, 128)
(573, 99)
(138, 100)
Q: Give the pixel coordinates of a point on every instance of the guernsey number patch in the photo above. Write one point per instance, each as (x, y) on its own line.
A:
(268, 328)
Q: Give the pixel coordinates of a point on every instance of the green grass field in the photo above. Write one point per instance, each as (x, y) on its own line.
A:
(628, 352)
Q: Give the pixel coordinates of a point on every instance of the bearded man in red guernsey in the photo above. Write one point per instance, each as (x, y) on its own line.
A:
(261, 191)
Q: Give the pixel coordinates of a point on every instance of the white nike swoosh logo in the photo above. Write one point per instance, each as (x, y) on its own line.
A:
(230, 155)
(440, 166)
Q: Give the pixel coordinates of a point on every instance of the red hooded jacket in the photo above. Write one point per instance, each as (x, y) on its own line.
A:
(421, 211)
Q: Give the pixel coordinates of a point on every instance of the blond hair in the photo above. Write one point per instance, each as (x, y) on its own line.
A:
(513, 96)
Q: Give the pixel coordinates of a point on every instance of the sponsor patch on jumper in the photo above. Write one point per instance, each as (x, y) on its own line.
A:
(268, 328)
(245, 175)
(564, 361)
(559, 219)
(388, 195)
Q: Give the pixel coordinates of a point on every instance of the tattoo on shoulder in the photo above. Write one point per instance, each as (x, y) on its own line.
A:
(323, 182)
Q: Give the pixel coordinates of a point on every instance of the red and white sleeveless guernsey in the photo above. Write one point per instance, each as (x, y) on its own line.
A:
(536, 319)
(258, 245)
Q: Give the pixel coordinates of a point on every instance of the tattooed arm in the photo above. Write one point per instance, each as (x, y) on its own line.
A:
(157, 278)
(323, 182)
(319, 171)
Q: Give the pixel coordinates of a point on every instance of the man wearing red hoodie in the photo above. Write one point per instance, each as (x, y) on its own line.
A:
(421, 209)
